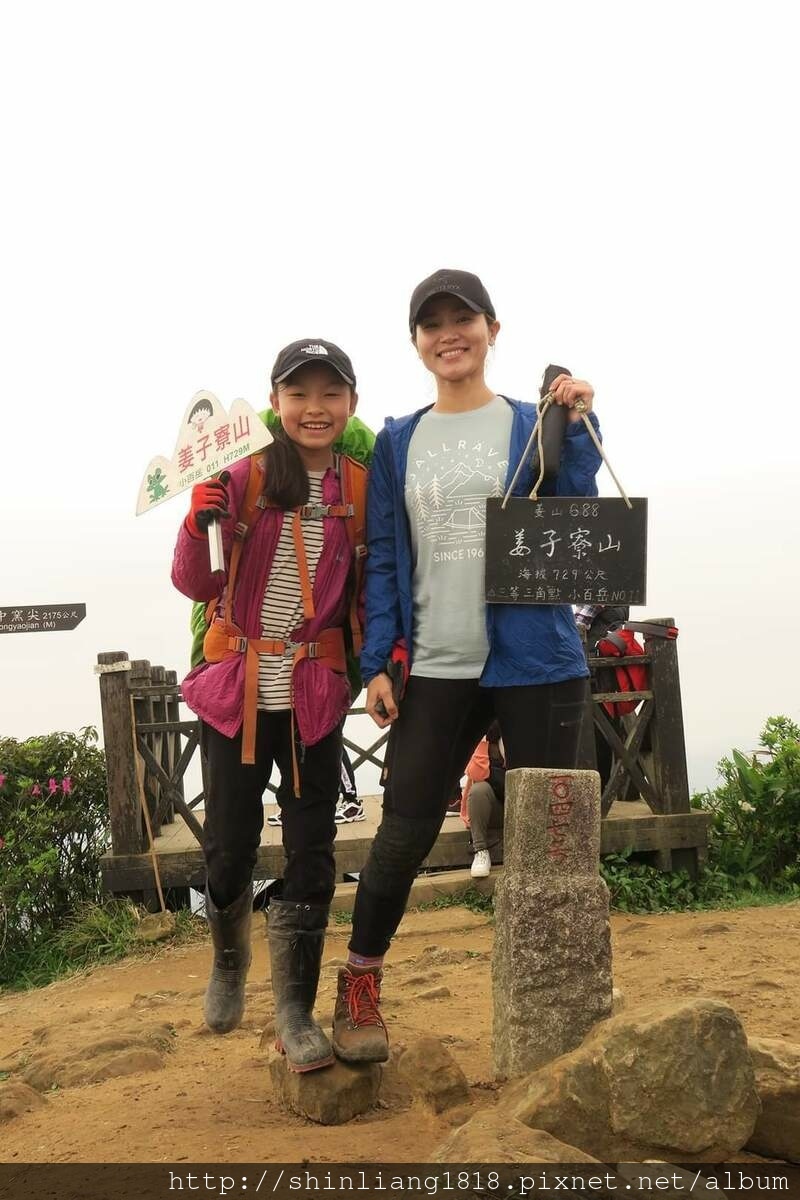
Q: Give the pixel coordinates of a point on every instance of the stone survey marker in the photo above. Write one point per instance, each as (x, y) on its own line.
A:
(551, 967)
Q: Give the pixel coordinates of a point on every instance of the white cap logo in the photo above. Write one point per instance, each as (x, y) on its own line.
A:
(314, 348)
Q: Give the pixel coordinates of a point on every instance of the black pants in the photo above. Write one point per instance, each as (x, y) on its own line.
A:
(440, 723)
(235, 812)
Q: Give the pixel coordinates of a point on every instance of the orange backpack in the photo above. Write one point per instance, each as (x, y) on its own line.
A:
(353, 478)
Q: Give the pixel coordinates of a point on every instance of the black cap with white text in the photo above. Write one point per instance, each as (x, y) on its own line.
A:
(463, 284)
(312, 350)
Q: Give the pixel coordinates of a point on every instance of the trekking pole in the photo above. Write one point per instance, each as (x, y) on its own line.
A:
(216, 552)
(216, 555)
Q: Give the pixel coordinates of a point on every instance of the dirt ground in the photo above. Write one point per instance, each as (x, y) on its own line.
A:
(196, 1097)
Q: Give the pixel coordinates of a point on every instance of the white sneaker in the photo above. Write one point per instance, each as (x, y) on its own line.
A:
(481, 864)
(274, 818)
(348, 811)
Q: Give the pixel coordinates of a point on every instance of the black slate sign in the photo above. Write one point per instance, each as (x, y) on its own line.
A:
(566, 550)
(40, 618)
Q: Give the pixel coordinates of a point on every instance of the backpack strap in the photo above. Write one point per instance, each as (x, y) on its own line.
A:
(353, 485)
(353, 477)
(252, 507)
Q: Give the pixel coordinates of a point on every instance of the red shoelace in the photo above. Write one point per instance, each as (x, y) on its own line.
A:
(362, 997)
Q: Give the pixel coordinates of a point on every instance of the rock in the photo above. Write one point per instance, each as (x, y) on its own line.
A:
(617, 1001)
(330, 1096)
(551, 967)
(434, 993)
(395, 1091)
(658, 1081)
(267, 1036)
(433, 1074)
(17, 1098)
(155, 927)
(777, 1067)
(67, 1059)
(145, 1000)
(491, 1136)
(458, 1116)
(421, 980)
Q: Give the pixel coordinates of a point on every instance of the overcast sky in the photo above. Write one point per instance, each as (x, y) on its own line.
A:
(187, 187)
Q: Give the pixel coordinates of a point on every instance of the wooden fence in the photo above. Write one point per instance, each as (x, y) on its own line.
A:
(149, 747)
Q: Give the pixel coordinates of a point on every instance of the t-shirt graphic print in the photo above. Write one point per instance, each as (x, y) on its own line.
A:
(455, 462)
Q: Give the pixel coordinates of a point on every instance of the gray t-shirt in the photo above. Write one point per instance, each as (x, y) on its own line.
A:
(455, 461)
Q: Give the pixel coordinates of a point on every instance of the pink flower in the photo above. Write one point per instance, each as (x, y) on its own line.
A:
(3, 778)
(36, 790)
(2, 843)
(52, 787)
(66, 785)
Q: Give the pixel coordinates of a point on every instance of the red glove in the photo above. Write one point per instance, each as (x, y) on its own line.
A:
(399, 658)
(209, 503)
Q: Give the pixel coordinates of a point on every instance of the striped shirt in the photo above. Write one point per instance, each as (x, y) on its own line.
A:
(282, 606)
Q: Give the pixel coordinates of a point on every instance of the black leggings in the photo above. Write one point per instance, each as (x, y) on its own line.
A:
(235, 810)
(440, 723)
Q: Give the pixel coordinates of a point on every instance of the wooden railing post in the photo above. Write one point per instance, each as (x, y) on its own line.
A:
(172, 742)
(159, 741)
(140, 677)
(666, 726)
(120, 751)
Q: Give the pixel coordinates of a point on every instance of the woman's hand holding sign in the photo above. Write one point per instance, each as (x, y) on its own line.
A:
(575, 394)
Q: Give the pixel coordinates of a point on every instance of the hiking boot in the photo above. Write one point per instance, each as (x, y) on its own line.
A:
(359, 1034)
(481, 864)
(230, 936)
(296, 936)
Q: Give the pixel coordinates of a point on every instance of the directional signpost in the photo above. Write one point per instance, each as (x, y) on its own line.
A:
(40, 618)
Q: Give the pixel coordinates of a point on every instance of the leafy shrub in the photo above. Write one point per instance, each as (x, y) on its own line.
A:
(53, 830)
(755, 833)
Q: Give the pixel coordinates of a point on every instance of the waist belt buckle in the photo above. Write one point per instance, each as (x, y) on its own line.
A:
(314, 511)
(314, 649)
(239, 644)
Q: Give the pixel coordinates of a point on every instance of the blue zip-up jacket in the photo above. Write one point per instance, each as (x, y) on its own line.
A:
(528, 643)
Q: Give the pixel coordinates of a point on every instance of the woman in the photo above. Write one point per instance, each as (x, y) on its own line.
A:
(468, 663)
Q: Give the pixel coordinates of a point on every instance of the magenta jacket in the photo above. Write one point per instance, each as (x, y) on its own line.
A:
(215, 691)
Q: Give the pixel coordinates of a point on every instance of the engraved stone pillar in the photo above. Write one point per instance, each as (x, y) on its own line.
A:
(551, 966)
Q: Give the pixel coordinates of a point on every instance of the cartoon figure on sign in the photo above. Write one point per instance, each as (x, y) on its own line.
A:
(156, 485)
(201, 413)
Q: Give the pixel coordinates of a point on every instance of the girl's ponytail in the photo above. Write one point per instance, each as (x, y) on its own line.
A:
(285, 476)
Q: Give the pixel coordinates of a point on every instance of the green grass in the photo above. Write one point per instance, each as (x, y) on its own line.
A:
(103, 933)
(96, 934)
(639, 888)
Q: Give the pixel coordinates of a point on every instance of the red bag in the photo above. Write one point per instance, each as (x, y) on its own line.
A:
(621, 643)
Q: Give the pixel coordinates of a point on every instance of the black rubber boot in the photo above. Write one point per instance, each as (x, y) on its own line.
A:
(296, 935)
(230, 935)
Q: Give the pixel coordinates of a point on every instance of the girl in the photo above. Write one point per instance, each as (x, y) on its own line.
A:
(276, 689)
(431, 475)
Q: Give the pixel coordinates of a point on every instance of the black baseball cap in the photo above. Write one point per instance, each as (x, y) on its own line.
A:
(312, 350)
(463, 284)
